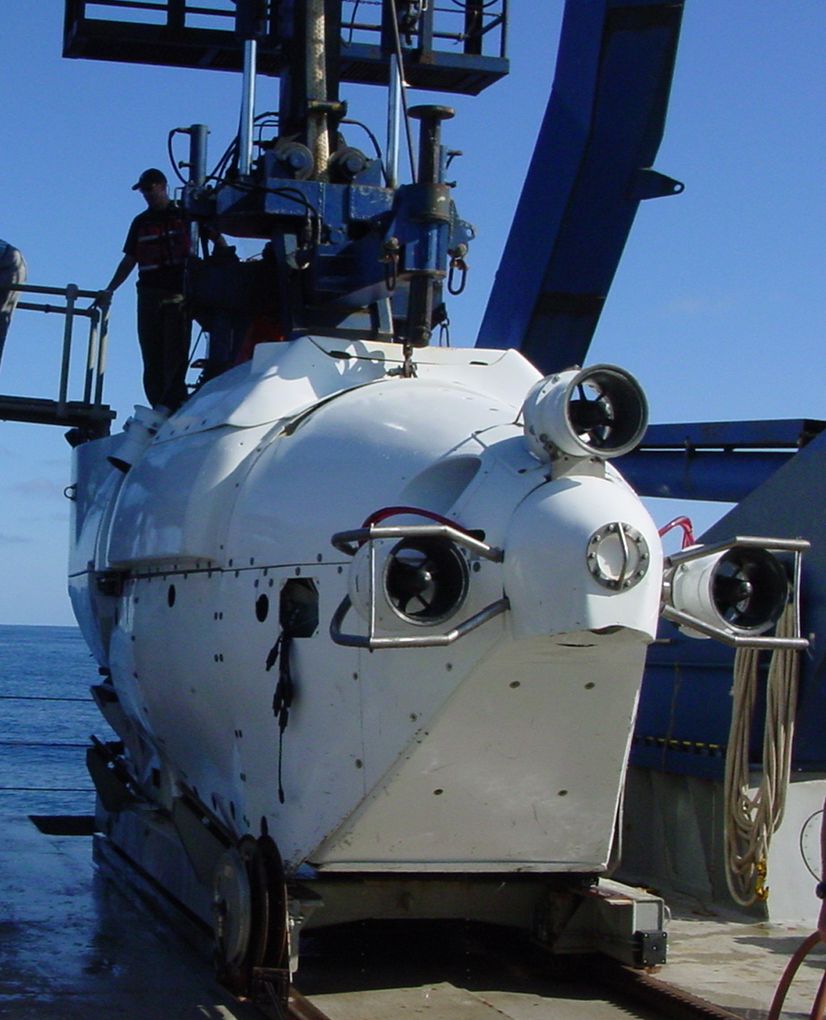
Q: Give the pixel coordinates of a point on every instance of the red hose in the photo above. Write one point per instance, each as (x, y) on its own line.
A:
(787, 977)
(819, 1006)
(821, 921)
(377, 516)
(685, 524)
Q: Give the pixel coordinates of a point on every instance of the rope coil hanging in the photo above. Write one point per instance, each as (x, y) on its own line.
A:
(752, 819)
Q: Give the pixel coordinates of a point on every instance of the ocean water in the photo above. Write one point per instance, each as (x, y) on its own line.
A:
(47, 715)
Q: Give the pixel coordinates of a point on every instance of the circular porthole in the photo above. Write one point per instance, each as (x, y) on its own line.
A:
(618, 556)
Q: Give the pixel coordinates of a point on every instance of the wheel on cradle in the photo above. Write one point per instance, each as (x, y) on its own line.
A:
(250, 921)
(231, 916)
(269, 943)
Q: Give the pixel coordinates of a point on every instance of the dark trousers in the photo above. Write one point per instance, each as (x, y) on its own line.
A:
(164, 328)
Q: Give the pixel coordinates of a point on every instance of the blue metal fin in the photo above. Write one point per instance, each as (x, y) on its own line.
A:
(590, 169)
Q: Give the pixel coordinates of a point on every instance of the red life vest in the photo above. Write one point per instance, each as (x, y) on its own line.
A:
(162, 240)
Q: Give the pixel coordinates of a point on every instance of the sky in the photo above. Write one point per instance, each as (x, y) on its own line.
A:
(717, 307)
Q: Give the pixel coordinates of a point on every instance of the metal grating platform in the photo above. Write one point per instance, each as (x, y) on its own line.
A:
(176, 33)
(91, 418)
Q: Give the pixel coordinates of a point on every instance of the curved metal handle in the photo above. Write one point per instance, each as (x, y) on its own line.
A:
(373, 643)
(350, 542)
(683, 619)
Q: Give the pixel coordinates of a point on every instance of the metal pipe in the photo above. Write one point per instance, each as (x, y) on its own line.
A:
(31, 306)
(430, 141)
(71, 297)
(796, 545)
(91, 358)
(30, 288)
(247, 108)
(103, 344)
(197, 171)
(397, 44)
(394, 108)
(350, 542)
(403, 641)
(434, 213)
(684, 619)
(197, 153)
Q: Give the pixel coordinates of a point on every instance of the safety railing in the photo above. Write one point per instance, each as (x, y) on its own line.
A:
(89, 412)
(453, 47)
(469, 24)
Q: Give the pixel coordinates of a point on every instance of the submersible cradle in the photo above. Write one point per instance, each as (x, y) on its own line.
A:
(383, 650)
(372, 615)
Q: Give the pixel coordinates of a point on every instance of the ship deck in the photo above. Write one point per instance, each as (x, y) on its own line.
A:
(76, 943)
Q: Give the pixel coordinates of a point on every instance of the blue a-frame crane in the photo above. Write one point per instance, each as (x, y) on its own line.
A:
(591, 168)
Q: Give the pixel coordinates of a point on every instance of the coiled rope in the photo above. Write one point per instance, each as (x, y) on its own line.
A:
(751, 820)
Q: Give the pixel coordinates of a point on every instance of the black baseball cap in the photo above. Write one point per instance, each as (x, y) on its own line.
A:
(150, 176)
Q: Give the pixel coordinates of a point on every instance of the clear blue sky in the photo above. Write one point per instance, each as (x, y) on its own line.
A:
(718, 306)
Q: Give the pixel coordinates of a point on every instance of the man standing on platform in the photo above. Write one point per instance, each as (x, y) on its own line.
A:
(159, 244)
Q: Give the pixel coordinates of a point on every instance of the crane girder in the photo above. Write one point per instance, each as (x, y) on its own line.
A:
(590, 169)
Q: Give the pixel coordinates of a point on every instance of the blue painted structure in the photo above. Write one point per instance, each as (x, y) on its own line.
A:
(776, 473)
(715, 461)
(590, 169)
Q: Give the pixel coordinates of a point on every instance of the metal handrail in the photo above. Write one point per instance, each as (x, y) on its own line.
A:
(349, 542)
(681, 618)
(97, 342)
(375, 644)
(433, 24)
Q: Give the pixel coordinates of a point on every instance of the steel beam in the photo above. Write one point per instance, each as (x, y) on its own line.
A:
(589, 172)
